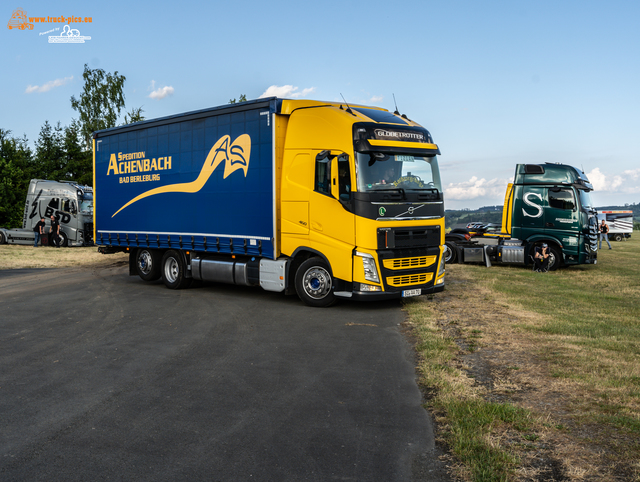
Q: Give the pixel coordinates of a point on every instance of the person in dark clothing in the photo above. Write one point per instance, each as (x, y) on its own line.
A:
(541, 258)
(38, 231)
(604, 234)
(55, 232)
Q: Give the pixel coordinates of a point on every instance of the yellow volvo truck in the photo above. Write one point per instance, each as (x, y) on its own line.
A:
(322, 199)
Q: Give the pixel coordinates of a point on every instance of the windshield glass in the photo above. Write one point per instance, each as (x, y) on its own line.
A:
(377, 171)
(585, 199)
(86, 203)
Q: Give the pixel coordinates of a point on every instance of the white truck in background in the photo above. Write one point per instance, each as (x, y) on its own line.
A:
(620, 223)
(69, 202)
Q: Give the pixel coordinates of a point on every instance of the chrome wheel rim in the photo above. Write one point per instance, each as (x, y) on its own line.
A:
(145, 262)
(317, 282)
(447, 254)
(171, 270)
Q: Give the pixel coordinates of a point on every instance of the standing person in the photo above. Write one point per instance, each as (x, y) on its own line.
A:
(38, 230)
(541, 258)
(55, 232)
(604, 234)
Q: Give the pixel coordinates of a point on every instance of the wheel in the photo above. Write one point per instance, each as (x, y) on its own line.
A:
(64, 240)
(555, 258)
(617, 237)
(174, 271)
(148, 264)
(314, 284)
(2, 238)
(450, 252)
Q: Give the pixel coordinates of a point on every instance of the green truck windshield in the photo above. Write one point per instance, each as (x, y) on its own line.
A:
(585, 199)
(378, 171)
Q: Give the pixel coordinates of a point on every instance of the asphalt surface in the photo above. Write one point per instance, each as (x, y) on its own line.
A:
(106, 377)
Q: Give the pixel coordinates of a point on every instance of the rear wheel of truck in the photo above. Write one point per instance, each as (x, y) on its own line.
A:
(174, 271)
(617, 237)
(450, 252)
(314, 284)
(2, 240)
(148, 264)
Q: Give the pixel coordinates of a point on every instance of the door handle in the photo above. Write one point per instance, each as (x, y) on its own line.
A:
(549, 225)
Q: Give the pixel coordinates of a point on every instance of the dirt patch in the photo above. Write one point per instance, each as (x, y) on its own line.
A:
(508, 363)
(28, 257)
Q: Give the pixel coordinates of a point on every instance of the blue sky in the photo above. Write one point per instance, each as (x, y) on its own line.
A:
(496, 82)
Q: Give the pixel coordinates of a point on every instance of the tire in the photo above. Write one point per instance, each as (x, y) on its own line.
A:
(64, 240)
(555, 257)
(314, 283)
(148, 263)
(450, 252)
(2, 239)
(173, 271)
(617, 237)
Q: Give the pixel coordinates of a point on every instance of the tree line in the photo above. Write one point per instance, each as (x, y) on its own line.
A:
(61, 153)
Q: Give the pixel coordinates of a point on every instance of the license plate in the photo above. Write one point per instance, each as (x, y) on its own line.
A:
(407, 293)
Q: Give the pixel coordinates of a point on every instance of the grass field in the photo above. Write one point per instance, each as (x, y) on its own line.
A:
(17, 257)
(536, 376)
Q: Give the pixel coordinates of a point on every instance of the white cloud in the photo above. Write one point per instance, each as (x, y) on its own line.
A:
(375, 99)
(48, 86)
(161, 92)
(632, 173)
(475, 188)
(287, 91)
(615, 183)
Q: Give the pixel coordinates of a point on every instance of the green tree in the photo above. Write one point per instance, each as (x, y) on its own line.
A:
(78, 161)
(50, 156)
(134, 116)
(16, 168)
(100, 103)
(242, 98)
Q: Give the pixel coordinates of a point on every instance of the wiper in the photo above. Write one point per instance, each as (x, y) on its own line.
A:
(396, 189)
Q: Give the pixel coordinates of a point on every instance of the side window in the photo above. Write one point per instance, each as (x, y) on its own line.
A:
(66, 206)
(323, 173)
(344, 178)
(561, 198)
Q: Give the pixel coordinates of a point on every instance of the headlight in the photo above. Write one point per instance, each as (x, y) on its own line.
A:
(441, 268)
(369, 264)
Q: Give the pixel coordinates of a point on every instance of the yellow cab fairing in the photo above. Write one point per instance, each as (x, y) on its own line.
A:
(307, 215)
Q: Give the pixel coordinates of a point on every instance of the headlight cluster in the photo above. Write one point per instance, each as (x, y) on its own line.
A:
(441, 268)
(369, 264)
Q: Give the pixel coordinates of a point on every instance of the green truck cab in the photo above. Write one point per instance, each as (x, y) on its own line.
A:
(546, 203)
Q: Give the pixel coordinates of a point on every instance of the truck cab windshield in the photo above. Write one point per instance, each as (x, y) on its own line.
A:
(377, 171)
(585, 199)
(86, 203)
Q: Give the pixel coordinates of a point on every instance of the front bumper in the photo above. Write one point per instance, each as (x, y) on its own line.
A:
(384, 295)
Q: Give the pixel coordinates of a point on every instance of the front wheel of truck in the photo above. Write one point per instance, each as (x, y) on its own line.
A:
(314, 284)
(148, 264)
(555, 257)
(174, 271)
